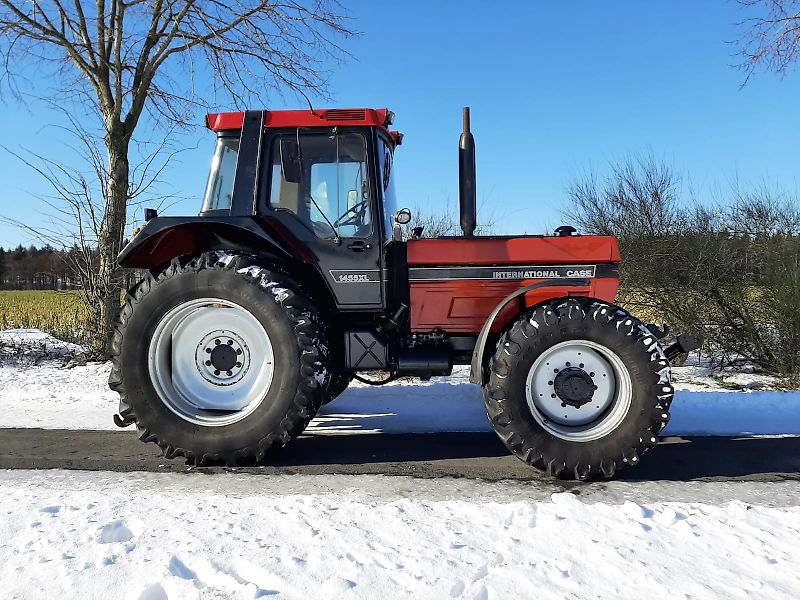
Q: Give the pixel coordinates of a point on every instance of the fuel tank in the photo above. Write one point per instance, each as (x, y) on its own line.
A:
(455, 283)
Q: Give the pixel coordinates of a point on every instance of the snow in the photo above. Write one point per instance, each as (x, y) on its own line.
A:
(53, 397)
(698, 374)
(155, 536)
(31, 345)
(147, 536)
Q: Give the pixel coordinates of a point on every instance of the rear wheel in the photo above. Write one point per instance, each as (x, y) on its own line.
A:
(337, 385)
(578, 388)
(216, 361)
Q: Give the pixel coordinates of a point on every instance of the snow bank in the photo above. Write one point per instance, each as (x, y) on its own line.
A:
(33, 345)
(95, 535)
(53, 397)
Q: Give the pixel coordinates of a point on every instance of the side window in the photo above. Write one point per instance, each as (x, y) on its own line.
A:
(387, 182)
(329, 188)
(219, 189)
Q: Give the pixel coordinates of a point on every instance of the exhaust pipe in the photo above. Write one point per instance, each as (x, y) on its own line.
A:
(466, 178)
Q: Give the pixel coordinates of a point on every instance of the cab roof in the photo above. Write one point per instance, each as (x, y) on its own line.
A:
(368, 117)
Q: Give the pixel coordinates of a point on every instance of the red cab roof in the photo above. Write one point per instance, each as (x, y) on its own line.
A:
(370, 117)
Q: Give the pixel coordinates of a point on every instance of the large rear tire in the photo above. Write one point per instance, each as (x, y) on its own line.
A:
(578, 388)
(338, 384)
(218, 361)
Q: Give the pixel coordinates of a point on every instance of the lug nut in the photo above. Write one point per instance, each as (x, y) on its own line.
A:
(208, 363)
(229, 373)
(208, 350)
(238, 351)
(549, 383)
(569, 364)
(591, 374)
(216, 372)
(552, 395)
(230, 342)
(555, 370)
(581, 365)
(217, 342)
(238, 365)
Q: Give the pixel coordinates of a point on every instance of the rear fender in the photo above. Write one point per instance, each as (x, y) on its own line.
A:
(165, 238)
(476, 374)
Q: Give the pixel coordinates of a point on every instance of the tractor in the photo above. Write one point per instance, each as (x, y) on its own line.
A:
(300, 273)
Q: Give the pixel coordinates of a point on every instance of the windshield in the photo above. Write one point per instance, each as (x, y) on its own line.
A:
(219, 189)
(330, 193)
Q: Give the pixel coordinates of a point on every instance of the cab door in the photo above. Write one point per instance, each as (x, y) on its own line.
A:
(322, 189)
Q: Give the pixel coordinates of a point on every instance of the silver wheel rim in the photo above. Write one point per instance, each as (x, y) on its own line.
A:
(598, 416)
(211, 361)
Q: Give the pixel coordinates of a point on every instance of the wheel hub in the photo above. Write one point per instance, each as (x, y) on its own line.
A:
(222, 357)
(574, 386)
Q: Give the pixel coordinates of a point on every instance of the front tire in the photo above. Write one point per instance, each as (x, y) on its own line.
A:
(217, 361)
(578, 388)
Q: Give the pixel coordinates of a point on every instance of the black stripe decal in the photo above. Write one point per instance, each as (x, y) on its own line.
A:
(513, 272)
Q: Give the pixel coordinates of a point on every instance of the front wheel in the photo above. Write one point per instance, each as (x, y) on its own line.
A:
(578, 388)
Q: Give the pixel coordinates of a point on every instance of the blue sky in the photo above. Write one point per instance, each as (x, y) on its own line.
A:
(555, 89)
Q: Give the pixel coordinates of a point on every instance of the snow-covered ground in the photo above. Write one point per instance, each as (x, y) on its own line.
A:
(154, 536)
(43, 393)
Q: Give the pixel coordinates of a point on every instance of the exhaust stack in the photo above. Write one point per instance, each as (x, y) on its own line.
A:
(466, 178)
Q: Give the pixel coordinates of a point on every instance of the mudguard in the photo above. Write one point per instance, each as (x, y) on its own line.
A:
(476, 368)
(165, 238)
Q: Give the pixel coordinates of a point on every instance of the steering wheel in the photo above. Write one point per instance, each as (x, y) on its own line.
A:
(355, 209)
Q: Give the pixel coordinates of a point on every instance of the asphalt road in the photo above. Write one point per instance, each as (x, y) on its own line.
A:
(473, 455)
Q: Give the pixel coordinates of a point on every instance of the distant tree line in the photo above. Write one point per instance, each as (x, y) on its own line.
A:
(39, 268)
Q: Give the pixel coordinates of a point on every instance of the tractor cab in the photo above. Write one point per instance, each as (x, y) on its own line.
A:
(315, 186)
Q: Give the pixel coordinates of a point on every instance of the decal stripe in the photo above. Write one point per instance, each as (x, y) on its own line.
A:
(513, 272)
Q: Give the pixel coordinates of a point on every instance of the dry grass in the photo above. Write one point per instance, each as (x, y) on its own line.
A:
(62, 314)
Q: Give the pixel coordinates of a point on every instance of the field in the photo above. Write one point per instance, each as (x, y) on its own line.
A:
(62, 314)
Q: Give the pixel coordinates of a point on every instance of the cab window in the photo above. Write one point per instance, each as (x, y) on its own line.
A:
(219, 189)
(390, 207)
(323, 179)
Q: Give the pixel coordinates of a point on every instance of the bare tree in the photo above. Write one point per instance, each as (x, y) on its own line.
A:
(75, 201)
(124, 59)
(443, 220)
(771, 39)
(637, 199)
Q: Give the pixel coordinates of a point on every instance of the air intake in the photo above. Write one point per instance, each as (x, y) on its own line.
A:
(345, 114)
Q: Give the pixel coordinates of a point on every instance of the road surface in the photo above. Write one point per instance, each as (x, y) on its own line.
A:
(473, 455)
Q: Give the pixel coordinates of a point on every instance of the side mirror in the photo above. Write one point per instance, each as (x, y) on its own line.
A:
(401, 217)
(290, 160)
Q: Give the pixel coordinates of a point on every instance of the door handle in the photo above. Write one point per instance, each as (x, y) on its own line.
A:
(358, 246)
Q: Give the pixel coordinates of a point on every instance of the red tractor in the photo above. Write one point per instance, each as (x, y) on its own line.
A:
(295, 277)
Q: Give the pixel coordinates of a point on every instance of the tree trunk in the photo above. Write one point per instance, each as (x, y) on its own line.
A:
(112, 232)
